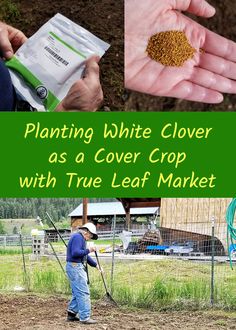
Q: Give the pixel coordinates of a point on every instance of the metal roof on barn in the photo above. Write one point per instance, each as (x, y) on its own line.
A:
(111, 208)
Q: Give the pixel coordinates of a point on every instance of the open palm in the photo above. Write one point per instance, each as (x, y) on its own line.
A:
(204, 78)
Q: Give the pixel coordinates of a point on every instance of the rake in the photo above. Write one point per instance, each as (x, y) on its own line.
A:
(108, 295)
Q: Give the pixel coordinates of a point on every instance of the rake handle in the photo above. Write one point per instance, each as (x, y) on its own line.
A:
(54, 226)
(103, 279)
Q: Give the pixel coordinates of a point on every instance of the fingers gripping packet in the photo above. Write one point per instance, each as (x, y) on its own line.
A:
(47, 65)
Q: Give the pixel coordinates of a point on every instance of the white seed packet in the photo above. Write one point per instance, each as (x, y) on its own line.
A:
(47, 64)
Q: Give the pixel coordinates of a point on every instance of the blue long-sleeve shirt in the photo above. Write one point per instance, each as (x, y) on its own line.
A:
(76, 250)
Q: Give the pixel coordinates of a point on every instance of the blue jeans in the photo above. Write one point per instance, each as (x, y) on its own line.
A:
(80, 302)
(7, 92)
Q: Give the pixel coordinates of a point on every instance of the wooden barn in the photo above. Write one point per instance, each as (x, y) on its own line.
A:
(182, 220)
(194, 215)
(101, 214)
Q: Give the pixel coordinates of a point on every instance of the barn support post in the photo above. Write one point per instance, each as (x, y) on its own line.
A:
(128, 218)
(85, 210)
(212, 260)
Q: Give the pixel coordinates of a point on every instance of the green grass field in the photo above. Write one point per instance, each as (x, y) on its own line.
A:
(14, 250)
(159, 285)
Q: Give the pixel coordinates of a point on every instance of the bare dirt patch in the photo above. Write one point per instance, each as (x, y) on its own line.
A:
(33, 312)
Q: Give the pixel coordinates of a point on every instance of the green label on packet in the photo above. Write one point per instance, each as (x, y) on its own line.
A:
(118, 155)
(50, 101)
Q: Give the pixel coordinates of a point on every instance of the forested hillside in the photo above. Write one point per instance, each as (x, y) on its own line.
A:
(58, 208)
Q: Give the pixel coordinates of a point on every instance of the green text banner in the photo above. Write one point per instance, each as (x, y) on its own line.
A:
(118, 154)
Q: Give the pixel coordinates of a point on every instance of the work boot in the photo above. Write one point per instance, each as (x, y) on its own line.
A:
(89, 321)
(71, 316)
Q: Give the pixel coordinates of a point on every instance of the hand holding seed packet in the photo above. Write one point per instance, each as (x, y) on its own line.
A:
(168, 54)
(57, 68)
(10, 40)
(86, 93)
